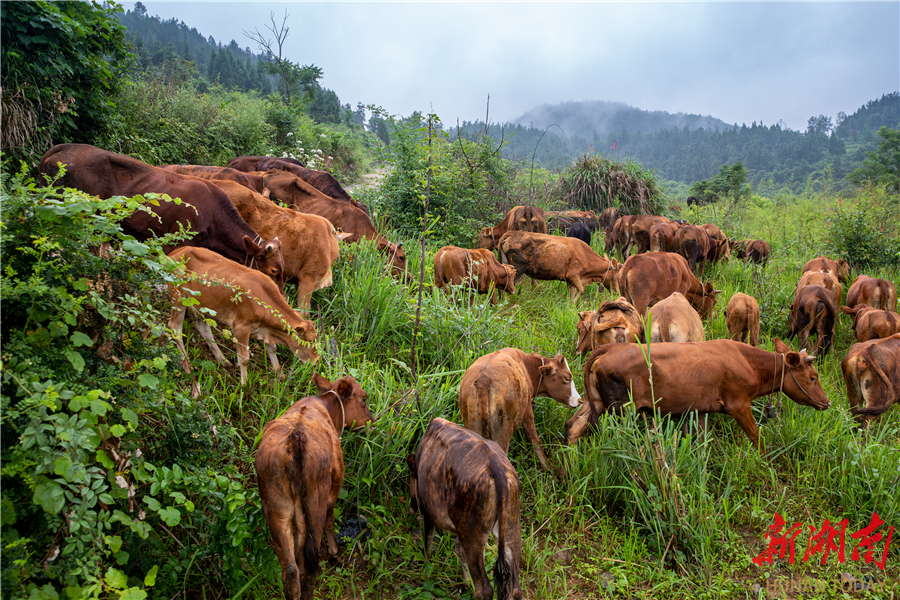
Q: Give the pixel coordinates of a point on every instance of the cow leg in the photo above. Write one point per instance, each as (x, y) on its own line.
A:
(427, 534)
(576, 289)
(242, 341)
(283, 542)
(461, 555)
(473, 547)
(273, 360)
(206, 333)
(305, 287)
(744, 417)
(331, 546)
(531, 434)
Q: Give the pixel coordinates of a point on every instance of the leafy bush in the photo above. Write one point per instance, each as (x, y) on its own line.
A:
(597, 182)
(866, 233)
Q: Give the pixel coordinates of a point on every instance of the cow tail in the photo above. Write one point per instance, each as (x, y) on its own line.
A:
(503, 570)
(298, 452)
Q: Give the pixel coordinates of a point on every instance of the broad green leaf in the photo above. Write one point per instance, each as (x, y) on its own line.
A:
(118, 430)
(99, 407)
(170, 516)
(48, 592)
(130, 416)
(115, 579)
(152, 503)
(62, 465)
(135, 247)
(76, 360)
(80, 339)
(49, 496)
(147, 380)
(104, 459)
(150, 579)
(134, 593)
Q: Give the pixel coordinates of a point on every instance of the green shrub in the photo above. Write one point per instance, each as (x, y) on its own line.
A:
(866, 233)
(596, 183)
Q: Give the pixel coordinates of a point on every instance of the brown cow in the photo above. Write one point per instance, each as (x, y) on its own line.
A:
(550, 257)
(662, 237)
(249, 180)
(814, 311)
(296, 193)
(719, 246)
(465, 484)
(583, 329)
(838, 268)
(616, 237)
(870, 323)
(826, 280)
(615, 322)
(872, 375)
(645, 279)
(518, 218)
(321, 180)
(742, 318)
(300, 470)
(566, 220)
(478, 269)
(675, 320)
(877, 293)
(238, 305)
(496, 392)
(609, 217)
(719, 376)
(206, 209)
(637, 232)
(756, 251)
(693, 243)
(309, 242)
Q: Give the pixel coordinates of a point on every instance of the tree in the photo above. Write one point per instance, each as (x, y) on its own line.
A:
(882, 165)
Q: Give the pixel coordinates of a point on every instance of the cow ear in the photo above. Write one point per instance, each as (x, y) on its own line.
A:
(546, 370)
(251, 247)
(781, 347)
(793, 359)
(343, 236)
(344, 389)
(322, 384)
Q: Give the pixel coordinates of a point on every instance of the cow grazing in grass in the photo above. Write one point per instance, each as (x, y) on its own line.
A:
(693, 243)
(518, 218)
(675, 320)
(645, 279)
(877, 293)
(300, 470)
(496, 392)
(309, 242)
(580, 231)
(871, 323)
(249, 180)
(478, 269)
(609, 217)
(615, 322)
(550, 257)
(742, 319)
(232, 290)
(719, 246)
(838, 268)
(662, 237)
(566, 220)
(321, 180)
(205, 209)
(826, 280)
(872, 375)
(756, 251)
(636, 230)
(719, 376)
(814, 311)
(465, 484)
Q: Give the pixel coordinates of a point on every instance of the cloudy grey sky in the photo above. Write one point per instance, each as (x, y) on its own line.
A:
(737, 61)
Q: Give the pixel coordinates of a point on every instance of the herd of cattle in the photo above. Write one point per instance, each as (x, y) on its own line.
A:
(461, 479)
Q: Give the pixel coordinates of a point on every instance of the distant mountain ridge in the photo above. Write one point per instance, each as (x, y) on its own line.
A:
(599, 118)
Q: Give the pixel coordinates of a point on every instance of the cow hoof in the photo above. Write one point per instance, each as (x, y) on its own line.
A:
(771, 412)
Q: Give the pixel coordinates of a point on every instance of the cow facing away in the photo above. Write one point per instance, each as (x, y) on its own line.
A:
(872, 376)
(742, 319)
(645, 279)
(232, 299)
(870, 323)
(476, 268)
(206, 209)
(550, 257)
(814, 311)
(755, 251)
(518, 218)
(693, 243)
(877, 293)
(675, 320)
(300, 470)
(465, 484)
(838, 268)
(580, 231)
(826, 280)
(719, 376)
(615, 322)
(496, 392)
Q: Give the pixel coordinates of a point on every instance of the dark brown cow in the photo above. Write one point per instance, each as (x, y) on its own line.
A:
(662, 237)
(321, 180)
(675, 320)
(465, 484)
(309, 242)
(206, 209)
(645, 279)
(719, 376)
(300, 470)
(838, 268)
(245, 316)
(742, 318)
(637, 232)
(496, 392)
(478, 269)
(518, 218)
(565, 221)
(877, 293)
(616, 237)
(550, 257)
(693, 243)
(756, 251)
(826, 280)
(609, 217)
(872, 375)
(814, 311)
(249, 180)
(296, 193)
(719, 247)
(871, 323)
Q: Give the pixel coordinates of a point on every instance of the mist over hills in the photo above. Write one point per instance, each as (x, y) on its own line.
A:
(598, 118)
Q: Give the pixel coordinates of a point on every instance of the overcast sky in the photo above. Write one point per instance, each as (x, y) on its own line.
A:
(740, 62)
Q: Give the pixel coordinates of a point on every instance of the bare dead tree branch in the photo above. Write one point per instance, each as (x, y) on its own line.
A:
(265, 45)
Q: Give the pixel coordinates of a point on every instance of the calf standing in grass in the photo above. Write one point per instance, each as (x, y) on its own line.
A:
(300, 469)
(872, 375)
(742, 319)
(870, 323)
(675, 320)
(465, 484)
(496, 392)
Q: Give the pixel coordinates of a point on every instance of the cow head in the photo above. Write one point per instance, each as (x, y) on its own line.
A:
(580, 424)
(306, 351)
(801, 381)
(507, 282)
(724, 250)
(397, 258)
(268, 259)
(616, 322)
(486, 238)
(583, 327)
(556, 381)
(843, 270)
(352, 398)
(704, 302)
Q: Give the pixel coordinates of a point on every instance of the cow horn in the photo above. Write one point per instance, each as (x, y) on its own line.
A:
(717, 291)
(810, 359)
(400, 245)
(270, 248)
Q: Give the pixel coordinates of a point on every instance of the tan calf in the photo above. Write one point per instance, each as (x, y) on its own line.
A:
(675, 320)
(871, 324)
(518, 218)
(496, 392)
(235, 308)
(478, 269)
(877, 293)
(742, 319)
(300, 470)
